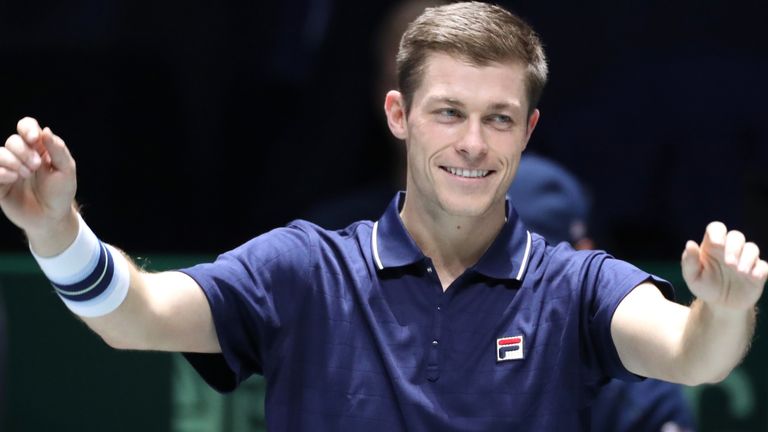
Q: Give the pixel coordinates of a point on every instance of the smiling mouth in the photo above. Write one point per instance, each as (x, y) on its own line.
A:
(467, 173)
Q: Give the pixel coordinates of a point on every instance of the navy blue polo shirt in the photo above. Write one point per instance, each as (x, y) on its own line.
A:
(353, 331)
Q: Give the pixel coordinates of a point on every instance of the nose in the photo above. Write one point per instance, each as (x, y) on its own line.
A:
(473, 145)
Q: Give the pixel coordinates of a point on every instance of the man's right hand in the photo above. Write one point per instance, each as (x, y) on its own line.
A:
(37, 187)
(165, 311)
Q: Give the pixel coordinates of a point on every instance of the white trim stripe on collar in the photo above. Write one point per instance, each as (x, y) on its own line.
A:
(525, 257)
(380, 266)
(375, 244)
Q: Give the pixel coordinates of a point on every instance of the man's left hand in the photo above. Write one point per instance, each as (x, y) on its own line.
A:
(725, 270)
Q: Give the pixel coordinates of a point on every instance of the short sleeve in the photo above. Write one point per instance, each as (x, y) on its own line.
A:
(251, 291)
(605, 284)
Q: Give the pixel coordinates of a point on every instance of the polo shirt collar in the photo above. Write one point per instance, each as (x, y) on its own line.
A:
(510, 252)
(391, 243)
(506, 258)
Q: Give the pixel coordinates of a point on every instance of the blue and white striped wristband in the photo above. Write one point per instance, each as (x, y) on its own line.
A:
(91, 277)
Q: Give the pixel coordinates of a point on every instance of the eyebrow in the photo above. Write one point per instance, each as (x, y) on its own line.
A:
(503, 106)
(457, 103)
(446, 100)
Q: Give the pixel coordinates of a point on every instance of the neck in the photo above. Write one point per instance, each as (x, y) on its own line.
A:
(453, 243)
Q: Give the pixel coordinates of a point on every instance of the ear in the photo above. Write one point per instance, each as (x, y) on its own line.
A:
(533, 120)
(394, 107)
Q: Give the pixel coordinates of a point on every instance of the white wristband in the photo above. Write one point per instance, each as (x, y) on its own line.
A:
(90, 277)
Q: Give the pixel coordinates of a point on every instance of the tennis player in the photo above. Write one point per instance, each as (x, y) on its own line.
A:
(446, 314)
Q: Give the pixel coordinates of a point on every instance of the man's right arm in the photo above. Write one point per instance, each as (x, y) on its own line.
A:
(161, 311)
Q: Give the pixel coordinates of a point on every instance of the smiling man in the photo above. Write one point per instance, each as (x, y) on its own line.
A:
(446, 314)
(465, 128)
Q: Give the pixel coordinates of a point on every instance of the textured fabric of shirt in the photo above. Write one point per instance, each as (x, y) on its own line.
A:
(353, 331)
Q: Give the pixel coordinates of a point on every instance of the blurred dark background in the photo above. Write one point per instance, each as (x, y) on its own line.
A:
(199, 124)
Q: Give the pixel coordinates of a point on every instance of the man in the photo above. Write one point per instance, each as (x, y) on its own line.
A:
(446, 314)
(553, 203)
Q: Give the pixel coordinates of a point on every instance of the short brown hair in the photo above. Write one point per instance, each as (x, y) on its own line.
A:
(480, 33)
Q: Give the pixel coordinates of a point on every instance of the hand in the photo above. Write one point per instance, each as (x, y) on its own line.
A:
(725, 270)
(37, 178)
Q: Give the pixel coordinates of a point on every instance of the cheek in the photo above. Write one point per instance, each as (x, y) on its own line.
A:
(509, 144)
(434, 138)
(414, 153)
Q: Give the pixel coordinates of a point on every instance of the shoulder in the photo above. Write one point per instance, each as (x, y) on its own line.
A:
(326, 249)
(302, 234)
(562, 263)
(321, 238)
(294, 251)
(546, 257)
(349, 246)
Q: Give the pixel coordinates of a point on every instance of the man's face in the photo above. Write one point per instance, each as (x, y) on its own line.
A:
(465, 132)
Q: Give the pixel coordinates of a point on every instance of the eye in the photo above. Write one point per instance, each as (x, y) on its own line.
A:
(501, 121)
(448, 114)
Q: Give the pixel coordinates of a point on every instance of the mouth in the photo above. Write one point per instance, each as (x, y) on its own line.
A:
(467, 173)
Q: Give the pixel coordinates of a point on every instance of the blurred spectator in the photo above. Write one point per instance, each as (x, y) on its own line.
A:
(660, 148)
(368, 200)
(553, 203)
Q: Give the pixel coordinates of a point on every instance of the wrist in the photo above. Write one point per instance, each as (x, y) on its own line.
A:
(54, 236)
(720, 311)
(92, 278)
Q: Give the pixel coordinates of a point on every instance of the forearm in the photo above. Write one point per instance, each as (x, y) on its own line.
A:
(161, 312)
(714, 341)
(660, 339)
(127, 307)
(93, 279)
(126, 327)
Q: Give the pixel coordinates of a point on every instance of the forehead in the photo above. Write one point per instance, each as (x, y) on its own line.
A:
(446, 76)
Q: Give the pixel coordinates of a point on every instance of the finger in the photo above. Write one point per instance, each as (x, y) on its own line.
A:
(749, 256)
(26, 154)
(734, 244)
(713, 244)
(7, 176)
(10, 162)
(690, 263)
(760, 272)
(30, 131)
(58, 152)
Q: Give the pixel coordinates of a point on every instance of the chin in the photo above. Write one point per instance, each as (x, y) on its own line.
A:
(466, 207)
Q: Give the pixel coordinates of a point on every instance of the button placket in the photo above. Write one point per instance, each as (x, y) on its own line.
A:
(433, 355)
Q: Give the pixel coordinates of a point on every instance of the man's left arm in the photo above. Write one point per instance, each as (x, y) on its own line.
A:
(702, 343)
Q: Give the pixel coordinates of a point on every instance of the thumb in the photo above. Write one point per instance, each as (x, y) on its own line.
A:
(690, 262)
(4, 189)
(61, 159)
(713, 244)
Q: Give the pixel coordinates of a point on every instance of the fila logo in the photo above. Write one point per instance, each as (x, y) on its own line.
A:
(509, 348)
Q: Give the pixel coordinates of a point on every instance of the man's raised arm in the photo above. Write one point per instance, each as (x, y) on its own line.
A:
(127, 307)
(661, 339)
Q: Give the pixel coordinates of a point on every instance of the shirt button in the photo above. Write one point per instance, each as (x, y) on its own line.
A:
(429, 269)
(438, 308)
(434, 342)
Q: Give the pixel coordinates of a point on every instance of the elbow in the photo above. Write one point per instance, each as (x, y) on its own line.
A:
(116, 342)
(717, 378)
(696, 378)
(124, 340)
